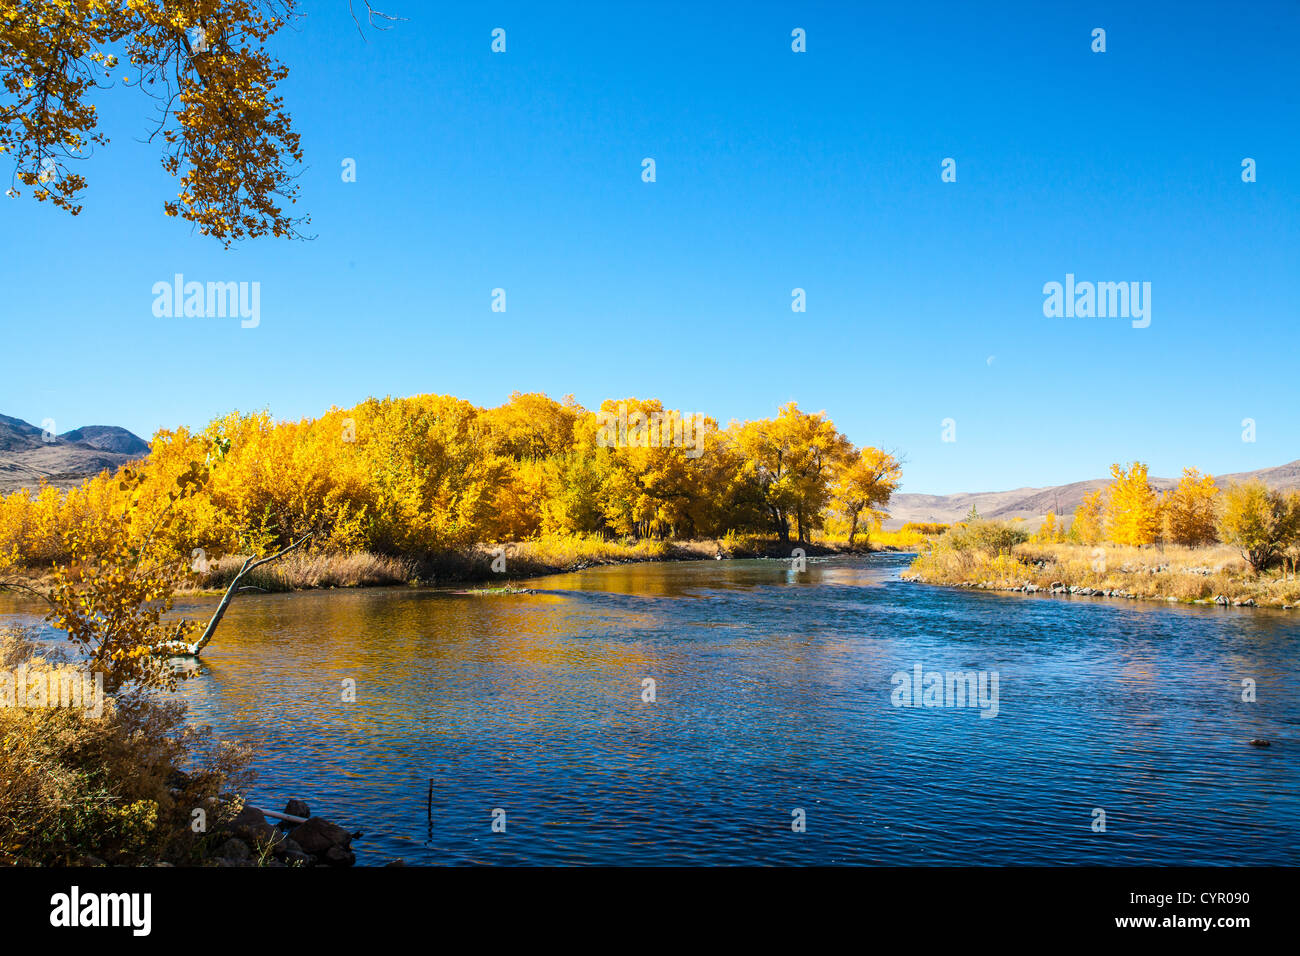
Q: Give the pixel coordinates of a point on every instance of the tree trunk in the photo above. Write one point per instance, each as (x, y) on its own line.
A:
(249, 565)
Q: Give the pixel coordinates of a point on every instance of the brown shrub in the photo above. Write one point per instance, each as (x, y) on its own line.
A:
(73, 785)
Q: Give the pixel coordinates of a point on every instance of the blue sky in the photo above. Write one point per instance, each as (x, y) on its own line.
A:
(775, 170)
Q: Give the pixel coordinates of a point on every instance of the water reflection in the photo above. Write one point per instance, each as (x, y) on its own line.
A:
(773, 693)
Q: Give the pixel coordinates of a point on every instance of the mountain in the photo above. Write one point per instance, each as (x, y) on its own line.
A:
(108, 438)
(1032, 503)
(16, 433)
(26, 457)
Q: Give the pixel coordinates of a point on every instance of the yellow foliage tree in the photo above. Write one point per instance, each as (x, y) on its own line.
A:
(1289, 540)
(792, 459)
(1258, 521)
(1086, 526)
(205, 61)
(1050, 531)
(865, 483)
(1191, 510)
(420, 476)
(1132, 507)
(111, 595)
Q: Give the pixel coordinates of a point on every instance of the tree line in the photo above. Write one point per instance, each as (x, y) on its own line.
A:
(428, 474)
(1264, 524)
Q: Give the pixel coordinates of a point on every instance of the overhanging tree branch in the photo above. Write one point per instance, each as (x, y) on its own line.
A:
(251, 564)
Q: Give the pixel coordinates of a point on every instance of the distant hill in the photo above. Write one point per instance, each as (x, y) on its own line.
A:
(16, 433)
(1032, 503)
(26, 457)
(108, 438)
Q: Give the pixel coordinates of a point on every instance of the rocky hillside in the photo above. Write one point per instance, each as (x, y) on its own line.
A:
(1032, 503)
(26, 456)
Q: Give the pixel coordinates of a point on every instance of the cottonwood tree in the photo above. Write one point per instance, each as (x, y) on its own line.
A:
(207, 66)
(423, 476)
(112, 593)
(1086, 525)
(1290, 543)
(657, 486)
(1190, 511)
(793, 458)
(1132, 507)
(1258, 521)
(865, 483)
(1050, 531)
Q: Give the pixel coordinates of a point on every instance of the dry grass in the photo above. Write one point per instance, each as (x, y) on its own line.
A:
(299, 572)
(564, 551)
(523, 559)
(550, 555)
(74, 785)
(1183, 574)
(910, 537)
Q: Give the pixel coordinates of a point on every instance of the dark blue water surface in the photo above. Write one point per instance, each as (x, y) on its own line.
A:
(773, 694)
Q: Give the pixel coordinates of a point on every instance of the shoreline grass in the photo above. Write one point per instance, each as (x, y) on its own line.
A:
(523, 560)
(1215, 574)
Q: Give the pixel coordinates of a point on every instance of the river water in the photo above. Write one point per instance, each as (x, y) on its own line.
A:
(774, 706)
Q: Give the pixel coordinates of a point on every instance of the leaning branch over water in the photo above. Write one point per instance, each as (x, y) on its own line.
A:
(249, 565)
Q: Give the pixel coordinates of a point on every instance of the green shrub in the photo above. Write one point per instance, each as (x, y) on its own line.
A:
(990, 537)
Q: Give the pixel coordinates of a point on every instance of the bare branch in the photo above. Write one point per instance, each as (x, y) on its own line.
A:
(371, 16)
(249, 565)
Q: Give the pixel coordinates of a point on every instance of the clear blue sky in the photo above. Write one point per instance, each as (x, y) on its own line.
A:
(775, 170)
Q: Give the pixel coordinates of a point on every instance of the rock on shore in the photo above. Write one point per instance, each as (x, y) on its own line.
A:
(316, 842)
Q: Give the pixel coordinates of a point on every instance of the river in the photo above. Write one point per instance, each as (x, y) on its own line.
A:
(773, 736)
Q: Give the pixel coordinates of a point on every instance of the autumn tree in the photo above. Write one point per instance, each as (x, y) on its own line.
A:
(534, 433)
(1289, 544)
(224, 130)
(420, 476)
(1086, 525)
(793, 458)
(1190, 510)
(531, 427)
(655, 481)
(434, 482)
(865, 483)
(1132, 508)
(1050, 531)
(112, 594)
(1257, 521)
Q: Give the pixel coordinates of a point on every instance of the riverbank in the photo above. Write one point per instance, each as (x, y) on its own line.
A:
(299, 839)
(1215, 575)
(92, 777)
(497, 564)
